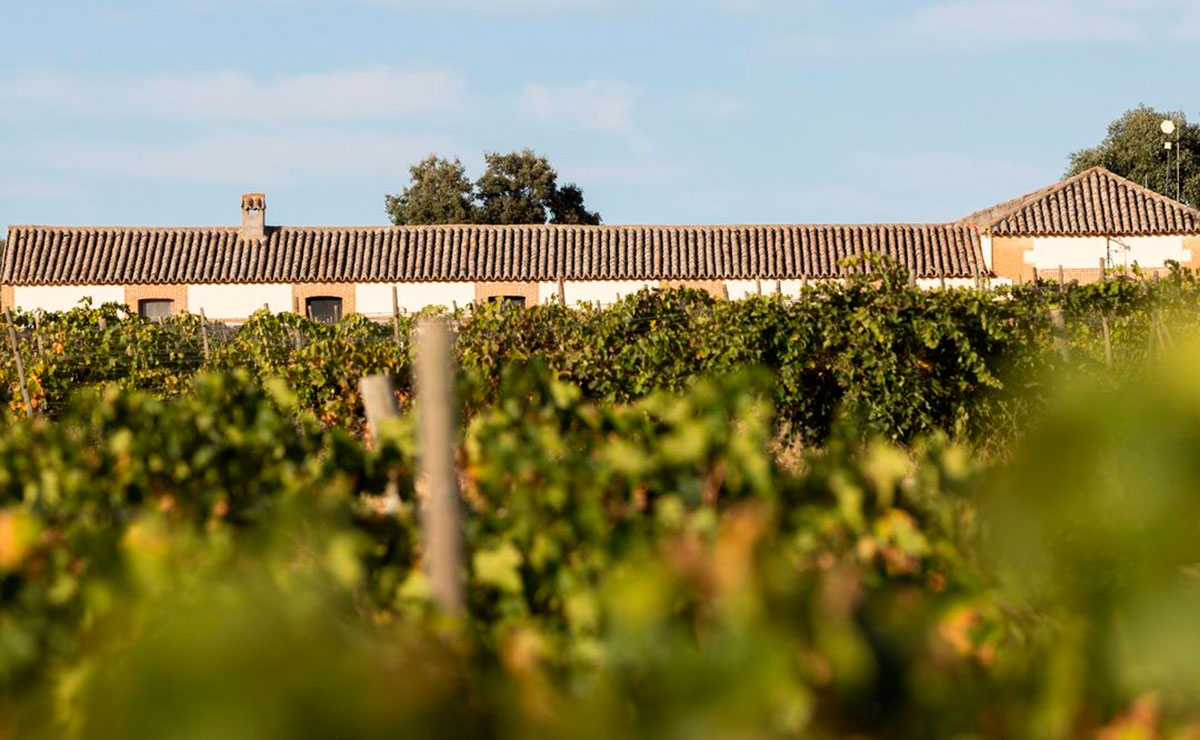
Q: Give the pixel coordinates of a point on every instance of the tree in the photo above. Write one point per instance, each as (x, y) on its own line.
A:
(522, 188)
(516, 188)
(568, 208)
(439, 193)
(1134, 149)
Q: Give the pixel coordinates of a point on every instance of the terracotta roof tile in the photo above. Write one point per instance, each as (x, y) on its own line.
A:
(1095, 202)
(45, 255)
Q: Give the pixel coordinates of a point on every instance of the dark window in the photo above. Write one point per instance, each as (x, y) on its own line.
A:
(156, 308)
(509, 301)
(325, 309)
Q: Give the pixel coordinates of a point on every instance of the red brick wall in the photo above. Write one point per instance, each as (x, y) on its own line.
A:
(172, 292)
(527, 290)
(1192, 243)
(301, 292)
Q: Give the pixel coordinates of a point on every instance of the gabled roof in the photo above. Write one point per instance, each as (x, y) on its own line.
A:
(1096, 202)
(45, 255)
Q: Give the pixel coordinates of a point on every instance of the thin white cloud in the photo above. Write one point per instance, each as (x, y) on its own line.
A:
(1019, 21)
(604, 107)
(710, 105)
(240, 158)
(374, 93)
(624, 171)
(504, 6)
(494, 5)
(1187, 26)
(988, 24)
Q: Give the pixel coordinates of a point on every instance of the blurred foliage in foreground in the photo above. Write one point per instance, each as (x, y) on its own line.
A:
(218, 565)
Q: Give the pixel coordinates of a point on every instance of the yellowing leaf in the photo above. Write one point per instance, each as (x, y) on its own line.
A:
(19, 532)
(499, 567)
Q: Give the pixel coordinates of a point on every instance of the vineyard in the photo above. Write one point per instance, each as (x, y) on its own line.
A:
(869, 511)
(901, 362)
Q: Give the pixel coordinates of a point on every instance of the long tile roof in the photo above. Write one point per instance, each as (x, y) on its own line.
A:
(43, 255)
(1095, 202)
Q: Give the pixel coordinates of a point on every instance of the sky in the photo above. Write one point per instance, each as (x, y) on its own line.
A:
(163, 112)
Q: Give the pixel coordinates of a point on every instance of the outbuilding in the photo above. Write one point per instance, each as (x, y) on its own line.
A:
(231, 271)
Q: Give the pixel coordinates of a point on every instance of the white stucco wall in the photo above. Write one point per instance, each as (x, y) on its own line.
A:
(65, 297)
(1085, 252)
(238, 300)
(739, 289)
(375, 299)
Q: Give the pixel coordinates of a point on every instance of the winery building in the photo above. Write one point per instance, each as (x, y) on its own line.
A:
(230, 272)
(1068, 228)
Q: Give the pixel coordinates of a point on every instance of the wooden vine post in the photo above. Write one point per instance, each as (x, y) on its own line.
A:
(1108, 354)
(37, 334)
(16, 350)
(1160, 331)
(435, 447)
(396, 316)
(379, 403)
(562, 293)
(1059, 327)
(204, 335)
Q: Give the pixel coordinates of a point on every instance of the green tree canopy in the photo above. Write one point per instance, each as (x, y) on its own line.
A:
(1134, 149)
(439, 193)
(516, 188)
(568, 208)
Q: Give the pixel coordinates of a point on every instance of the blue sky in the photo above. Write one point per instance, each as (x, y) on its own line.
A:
(159, 112)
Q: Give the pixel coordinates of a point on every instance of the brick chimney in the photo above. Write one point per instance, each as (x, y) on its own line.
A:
(254, 216)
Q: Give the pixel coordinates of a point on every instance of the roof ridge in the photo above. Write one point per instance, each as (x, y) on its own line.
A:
(1148, 192)
(115, 227)
(880, 225)
(988, 219)
(535, 252)
(1006, 208)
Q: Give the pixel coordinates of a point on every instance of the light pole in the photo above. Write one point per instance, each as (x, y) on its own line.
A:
(1168, 128)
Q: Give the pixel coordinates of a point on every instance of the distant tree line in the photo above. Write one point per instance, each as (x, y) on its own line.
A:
(516, 188)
